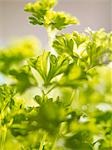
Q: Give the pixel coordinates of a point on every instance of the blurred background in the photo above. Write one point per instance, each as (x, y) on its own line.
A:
(91, 13)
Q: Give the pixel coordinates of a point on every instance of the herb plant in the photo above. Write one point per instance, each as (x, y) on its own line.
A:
(58, 99)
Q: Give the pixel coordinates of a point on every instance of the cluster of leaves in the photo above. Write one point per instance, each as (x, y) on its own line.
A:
(16, 53)
(43, 14)
(13, 60)
(71, 89)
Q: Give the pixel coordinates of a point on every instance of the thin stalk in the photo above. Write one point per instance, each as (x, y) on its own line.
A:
(72, 96)
(4, 107)
(54, 142)
(50, 89)
(42, 142)
(51, 37)
(75, 98)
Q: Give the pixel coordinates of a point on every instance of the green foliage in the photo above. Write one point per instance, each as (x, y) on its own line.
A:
(42, 14)
(59, 20)
(50, 116)
(93, 49)
(16, 53)
(64, 43)
(57, 101)
(6, 97)
(24, 77)
(99, 49)
(49, 66)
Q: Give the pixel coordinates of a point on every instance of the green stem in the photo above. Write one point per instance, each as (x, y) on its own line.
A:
(72, 96)
(75, 98)
(3, 138)
(51, 37)
(54, 142)
(42, 142)
(50, 89)
(4, 107)
(56, 137)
